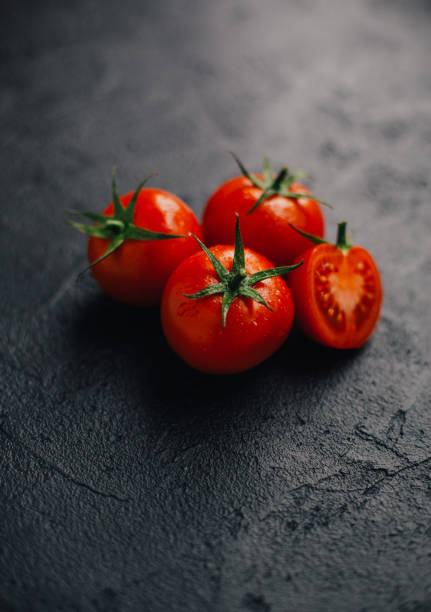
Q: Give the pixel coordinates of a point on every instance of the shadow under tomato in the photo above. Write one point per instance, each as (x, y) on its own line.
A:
(303, 356)
(300, 362)
(174, 392)
(102, 322)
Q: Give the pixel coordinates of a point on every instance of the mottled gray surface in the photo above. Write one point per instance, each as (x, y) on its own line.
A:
(301, 486)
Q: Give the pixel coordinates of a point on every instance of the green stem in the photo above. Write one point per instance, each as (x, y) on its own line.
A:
(342, 237)
(115, 224)
(279, 179)
(341, 242)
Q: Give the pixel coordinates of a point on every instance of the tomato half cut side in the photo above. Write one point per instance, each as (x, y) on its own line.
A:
(338, 295)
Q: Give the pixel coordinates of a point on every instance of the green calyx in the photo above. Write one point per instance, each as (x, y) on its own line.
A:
(272, 184)
(120, 227)
(341, 243)
(236, 282)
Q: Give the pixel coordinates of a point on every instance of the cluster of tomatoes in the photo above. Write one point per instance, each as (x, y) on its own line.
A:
(226, 308)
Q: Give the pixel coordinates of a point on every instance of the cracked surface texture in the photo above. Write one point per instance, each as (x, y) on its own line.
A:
(128, 481)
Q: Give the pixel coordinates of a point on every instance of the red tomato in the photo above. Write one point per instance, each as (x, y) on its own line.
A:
(253, 330)
(337, 294)
(139, 267)
(266, 229)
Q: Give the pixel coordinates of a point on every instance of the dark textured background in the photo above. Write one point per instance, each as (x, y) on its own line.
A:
(128, 481)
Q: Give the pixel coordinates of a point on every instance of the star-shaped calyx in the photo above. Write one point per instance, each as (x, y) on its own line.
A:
(342, 242)
(272, 184)
(119, 227)
(237, 282)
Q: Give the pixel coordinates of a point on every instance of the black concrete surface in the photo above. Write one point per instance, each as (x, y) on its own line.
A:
(128, 481)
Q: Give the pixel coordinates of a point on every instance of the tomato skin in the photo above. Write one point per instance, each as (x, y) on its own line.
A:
(266, 230)
(194, 329)
(337, 294)
(137, 271)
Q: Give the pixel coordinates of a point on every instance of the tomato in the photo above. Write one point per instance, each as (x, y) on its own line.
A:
(225, 309)
(337, 293)
(266, 206)
(137, 242)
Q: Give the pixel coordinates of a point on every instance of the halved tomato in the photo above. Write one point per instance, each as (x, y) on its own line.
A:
(337, 292)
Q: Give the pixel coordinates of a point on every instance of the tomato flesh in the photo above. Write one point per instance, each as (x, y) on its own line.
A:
(338, 295)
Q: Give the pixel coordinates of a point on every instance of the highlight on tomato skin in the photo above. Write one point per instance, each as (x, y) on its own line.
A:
(337, 293)
(267, 204)
(226, 309)
(137, 241)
